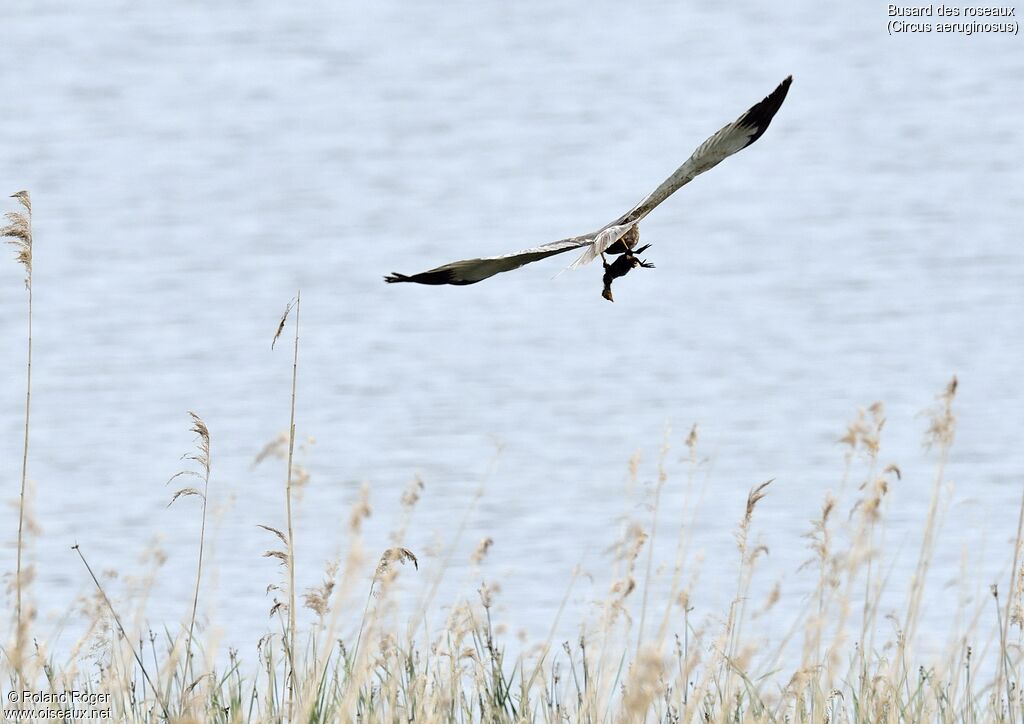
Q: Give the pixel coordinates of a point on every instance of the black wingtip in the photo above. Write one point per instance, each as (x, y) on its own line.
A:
(441, 275)
(760, 116)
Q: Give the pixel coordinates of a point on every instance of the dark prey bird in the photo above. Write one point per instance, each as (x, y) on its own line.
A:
(621, 236)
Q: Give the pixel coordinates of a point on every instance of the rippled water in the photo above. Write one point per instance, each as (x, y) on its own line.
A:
(193, 166)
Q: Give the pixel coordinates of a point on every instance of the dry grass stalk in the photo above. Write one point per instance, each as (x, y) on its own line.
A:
(446, 560)
(360, 661)
(626, 550)
(18, 233)
(644, 684)
(1015, 615)
(941, 431)
(662, 477)
(820, 537)
(748, 557)
(842, 570)
(202, 458)
(1013, 608)
(296, 305)
(120, 627)
(677, 597)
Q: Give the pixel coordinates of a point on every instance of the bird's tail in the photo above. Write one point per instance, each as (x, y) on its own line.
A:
(396, 277)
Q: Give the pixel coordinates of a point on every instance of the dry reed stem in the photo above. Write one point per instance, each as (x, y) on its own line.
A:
(19, 234)
(296, 304)
(528, 683)
(686, 518)
(202, 458)
(941, 431)
(384, 576)
(748, 557)
(450, 553)
(1012, 603)
(662, 477)
(120, 627)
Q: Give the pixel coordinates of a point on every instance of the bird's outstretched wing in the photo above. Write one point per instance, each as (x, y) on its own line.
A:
(471, 271)
(736, 136)
(732, 138)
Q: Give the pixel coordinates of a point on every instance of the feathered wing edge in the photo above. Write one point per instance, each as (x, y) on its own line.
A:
(728, 140)
(471, 271)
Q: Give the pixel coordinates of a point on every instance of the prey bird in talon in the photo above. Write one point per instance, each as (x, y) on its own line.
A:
(627, 261)
(621, 236)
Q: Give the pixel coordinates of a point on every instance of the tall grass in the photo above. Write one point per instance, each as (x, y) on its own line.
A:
(18, 233)
(136, 652)
(370, 657)
(202, 458)
(296, 304)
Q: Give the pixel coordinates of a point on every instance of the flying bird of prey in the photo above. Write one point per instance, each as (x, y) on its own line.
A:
(621, 236)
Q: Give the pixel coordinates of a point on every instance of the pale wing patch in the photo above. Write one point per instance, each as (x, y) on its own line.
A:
(604, 238)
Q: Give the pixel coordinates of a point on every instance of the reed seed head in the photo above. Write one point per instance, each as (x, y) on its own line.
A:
(284, 318)
(482, 548)
(394, 555)
(19, 233)
(942, 421)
